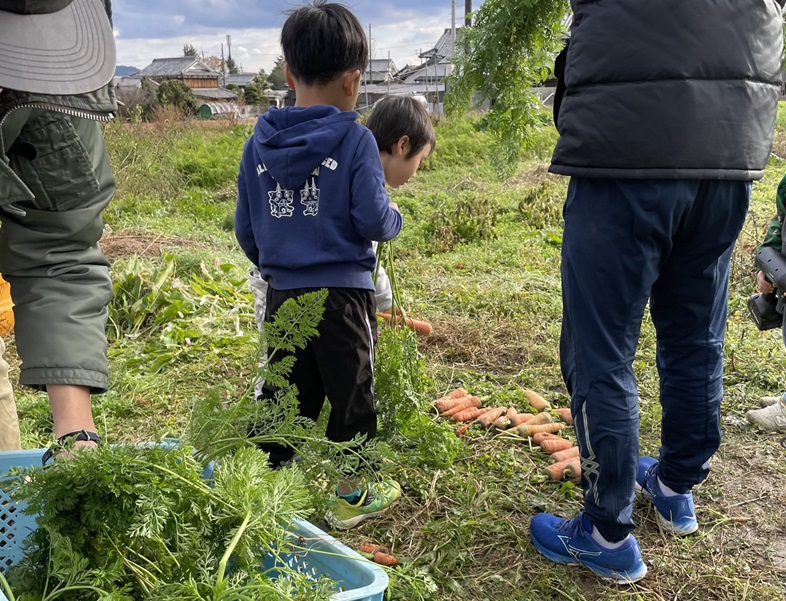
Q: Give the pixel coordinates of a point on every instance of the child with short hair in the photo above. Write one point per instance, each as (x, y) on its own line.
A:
(311, 198)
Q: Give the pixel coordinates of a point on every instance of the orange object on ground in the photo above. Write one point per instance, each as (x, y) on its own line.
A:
(6, 308)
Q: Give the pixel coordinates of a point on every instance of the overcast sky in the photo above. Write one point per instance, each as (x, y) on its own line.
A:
(145, 30)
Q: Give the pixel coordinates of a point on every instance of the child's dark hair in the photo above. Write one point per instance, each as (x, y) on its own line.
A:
(321, 41)
(396, 116)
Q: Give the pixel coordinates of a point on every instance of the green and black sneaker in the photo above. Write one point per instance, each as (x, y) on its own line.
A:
(374, 501)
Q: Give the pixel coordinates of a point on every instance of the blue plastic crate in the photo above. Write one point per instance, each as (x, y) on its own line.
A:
(357, 578)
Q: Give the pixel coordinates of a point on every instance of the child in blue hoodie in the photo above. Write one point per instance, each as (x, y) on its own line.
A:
(311, 198)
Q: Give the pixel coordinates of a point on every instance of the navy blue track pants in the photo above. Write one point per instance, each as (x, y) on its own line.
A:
(627, 242)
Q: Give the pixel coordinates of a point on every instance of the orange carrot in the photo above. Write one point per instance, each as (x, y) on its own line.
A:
(563, 469)
(419, 327)
(568, 453)
(488, 417)
(466, 403)
(520, 418)
(461, 430)
(511, 412)
(527, 430)
(573, 471)
(541, 436)
(385, 559)
(501, 423)
(372, 548)
(537, 402)
(552, 445)
(445, 402)
(540, 418)
(565, 415)
(468, 414)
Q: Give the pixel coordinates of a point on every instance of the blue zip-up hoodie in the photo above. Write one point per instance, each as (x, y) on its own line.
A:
(311, 198)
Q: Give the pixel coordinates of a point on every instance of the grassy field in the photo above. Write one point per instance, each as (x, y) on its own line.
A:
(479, 259)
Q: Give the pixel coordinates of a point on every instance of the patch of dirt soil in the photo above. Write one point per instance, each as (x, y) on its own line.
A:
(117, 245)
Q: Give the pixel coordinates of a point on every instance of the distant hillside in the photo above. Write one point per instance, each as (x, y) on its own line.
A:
(125, 71)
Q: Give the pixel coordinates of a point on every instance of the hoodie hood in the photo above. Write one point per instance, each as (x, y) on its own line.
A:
(293, 141)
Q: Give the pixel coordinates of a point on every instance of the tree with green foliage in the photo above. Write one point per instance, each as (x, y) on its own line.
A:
(509, 49)
(253, 95)
(232, 67)
(189, 50)
(276, 77)
(261, 80)
(176, 93)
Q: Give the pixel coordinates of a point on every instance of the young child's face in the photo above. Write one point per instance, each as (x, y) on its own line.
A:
(399, 166)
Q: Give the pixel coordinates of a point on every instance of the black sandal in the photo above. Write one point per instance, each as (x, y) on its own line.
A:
(79, 435)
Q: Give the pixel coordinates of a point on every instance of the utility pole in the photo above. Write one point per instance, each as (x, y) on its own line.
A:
(388, 75)
(229, 49)
(369, 61)
(223, 68)
(468, 13)
(453, 25)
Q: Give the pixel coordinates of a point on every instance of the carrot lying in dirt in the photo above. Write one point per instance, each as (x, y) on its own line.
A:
(563, 469)
(488, 417)
(565, 415)
(552, 445)
(466, 402)
(537, 402)
(573, 471)
(446, 402)
(385, 559)
(540, 418)
(568, 453)
(372, 548)
(520, 418)
(469, 414)
(419, 327)
(461, 430)
(527, 430)
(541, 436)
(503, 421)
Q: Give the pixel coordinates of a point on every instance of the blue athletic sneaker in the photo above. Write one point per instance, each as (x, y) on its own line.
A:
(676, 514)
(570, 542)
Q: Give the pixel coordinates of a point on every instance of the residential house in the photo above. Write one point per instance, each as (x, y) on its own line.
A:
(202, 80)
(380, 71)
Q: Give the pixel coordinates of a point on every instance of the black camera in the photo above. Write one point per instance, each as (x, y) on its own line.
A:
(764, 307)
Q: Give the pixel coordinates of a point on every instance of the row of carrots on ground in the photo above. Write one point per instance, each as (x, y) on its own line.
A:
(461, 407)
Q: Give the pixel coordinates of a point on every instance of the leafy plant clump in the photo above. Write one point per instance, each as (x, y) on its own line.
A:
(131, 523)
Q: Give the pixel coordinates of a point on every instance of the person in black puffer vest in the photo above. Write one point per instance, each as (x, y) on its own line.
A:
(667, 116)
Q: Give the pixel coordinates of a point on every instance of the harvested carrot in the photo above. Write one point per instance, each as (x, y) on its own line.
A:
(468, 414)
(552, 445)
(568, 453)
(560, 470)
(461, 430)
(467, 402)
(537, 402)
(540, 418)
(573, 470)
(385, 559)
(565, 415)
(511, 412)
(520, 418)
(488, 417)
(501, 423)
(446, 401)
(372, 548)
(419, 327)
(541, 436)
(526, 430)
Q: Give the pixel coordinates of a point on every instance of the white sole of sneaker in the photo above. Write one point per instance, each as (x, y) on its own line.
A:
(663, 522)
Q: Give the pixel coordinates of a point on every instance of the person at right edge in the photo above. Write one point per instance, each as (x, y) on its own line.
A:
(667, 116)
(772, 415)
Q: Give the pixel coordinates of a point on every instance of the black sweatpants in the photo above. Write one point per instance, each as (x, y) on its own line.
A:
(337, 364)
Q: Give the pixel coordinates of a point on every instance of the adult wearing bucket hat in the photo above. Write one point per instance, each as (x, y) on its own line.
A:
(57, 60)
